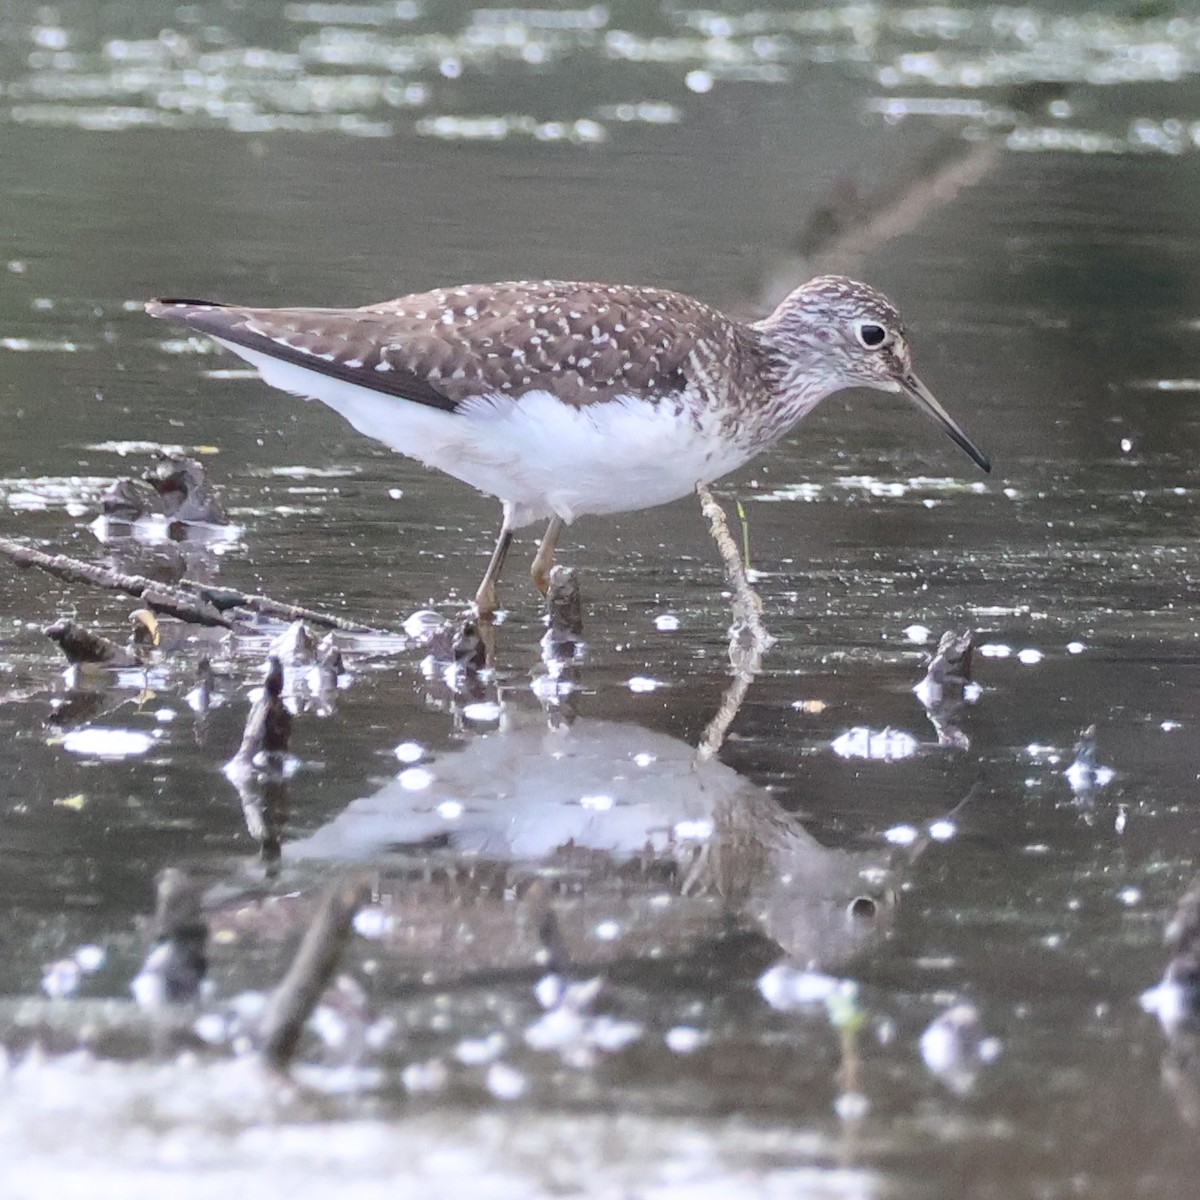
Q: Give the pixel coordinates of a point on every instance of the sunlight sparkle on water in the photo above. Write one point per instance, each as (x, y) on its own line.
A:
(409, 752)
(98, 741)
(643, 683)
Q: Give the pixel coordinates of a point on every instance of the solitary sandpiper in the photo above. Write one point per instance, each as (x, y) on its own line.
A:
(565, 399)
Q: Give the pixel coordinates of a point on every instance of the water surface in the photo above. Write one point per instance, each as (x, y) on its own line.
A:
(338, 154)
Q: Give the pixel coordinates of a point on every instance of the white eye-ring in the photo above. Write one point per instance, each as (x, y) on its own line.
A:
(870, 335)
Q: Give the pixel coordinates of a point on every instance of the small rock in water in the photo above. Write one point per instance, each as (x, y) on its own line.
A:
(296, 646)
(329, 658)
(564, 605)
(128, 500)
(1085, 775)
(81, 645)
(947, 688)
(177, 961)
(186, 494)
(268, 730)
(461, 646)
(201, 698)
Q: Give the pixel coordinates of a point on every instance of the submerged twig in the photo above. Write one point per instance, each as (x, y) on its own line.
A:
(301, 988)
(748, 636)
(197, 603)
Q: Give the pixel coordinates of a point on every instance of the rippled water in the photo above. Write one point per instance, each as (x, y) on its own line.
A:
(866, 952)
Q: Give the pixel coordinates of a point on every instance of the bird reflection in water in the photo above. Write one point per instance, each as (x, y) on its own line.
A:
(642, 846)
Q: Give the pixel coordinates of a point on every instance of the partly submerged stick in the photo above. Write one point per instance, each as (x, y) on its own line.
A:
(748, 636)
(196, 603)
(301, 988)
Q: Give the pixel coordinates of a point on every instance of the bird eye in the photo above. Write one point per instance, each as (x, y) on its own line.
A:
(871, 335)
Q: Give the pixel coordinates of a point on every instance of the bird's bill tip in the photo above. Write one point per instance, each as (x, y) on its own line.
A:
(927, 402)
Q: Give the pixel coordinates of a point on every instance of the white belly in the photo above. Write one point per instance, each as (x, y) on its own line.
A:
(537, 455)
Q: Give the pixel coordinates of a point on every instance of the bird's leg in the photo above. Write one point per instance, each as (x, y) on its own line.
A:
(543, 560)
(485, 596)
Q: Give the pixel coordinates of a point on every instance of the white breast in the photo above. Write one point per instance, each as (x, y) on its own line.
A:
(539, 456)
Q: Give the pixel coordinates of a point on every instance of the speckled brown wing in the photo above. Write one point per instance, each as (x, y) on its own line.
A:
(583, 342)
(319, 339)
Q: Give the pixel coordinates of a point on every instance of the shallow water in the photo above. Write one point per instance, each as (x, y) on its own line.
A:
(1053, 306)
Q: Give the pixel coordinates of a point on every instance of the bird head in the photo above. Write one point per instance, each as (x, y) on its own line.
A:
(838, 333)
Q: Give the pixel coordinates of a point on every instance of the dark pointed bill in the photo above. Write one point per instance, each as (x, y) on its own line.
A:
(913, 387)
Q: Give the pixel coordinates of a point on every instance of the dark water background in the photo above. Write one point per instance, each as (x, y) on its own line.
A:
(1023, 185)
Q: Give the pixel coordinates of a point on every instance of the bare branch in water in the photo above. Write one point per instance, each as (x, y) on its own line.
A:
(196, 603)
(301, 988)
